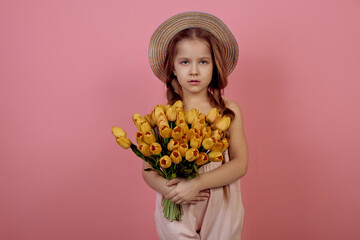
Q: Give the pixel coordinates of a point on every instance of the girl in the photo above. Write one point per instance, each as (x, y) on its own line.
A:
(193, 53)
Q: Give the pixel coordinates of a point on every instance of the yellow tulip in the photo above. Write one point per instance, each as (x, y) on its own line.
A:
(165, 161)
(216, 134)
(162, 120)
(218, 146)
(206, 132)
(208, 143)
(199, 124)
(176, 156)
(215, 156)
(136, 117)
(160, 106)
(213, 125)
(172, 145)
(150, 120)
(118, 132)
(145, 127)
(158, 110)
(165, 131)
(171, 114)
(166, 107)
(149, 137)
(178, 104)
(201, 159)
(212, 115)
(191, 133)
(183, 147)
(177, 133)
(153, 117)
(202, 116)
(184, 126)
(195, 141)
(183, 140)
(155, 148)
(144, 149)
(223, 123)
(191, 116)
(138, 120)
(180, 122)
(139, 137)
(180, 118)
(226, 142)
(191, 154)
(124, 142)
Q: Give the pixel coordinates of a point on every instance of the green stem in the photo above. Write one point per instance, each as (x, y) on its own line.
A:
(172, 125)
(196, 170)
(155, 133)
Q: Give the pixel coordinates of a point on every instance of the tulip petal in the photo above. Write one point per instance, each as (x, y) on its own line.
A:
(118, 132)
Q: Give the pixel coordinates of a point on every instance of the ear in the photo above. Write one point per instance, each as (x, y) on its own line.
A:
(174, 73)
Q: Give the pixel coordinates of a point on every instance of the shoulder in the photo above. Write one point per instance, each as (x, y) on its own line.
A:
(232, 105)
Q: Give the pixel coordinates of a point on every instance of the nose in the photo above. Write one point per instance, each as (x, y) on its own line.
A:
(194, 69)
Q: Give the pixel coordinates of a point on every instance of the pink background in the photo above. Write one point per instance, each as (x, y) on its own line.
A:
(70, 70)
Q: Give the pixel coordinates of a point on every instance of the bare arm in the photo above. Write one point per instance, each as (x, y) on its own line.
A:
(155, 181)
(237, 166)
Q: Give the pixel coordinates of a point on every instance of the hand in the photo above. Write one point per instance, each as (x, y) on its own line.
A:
(186, 191)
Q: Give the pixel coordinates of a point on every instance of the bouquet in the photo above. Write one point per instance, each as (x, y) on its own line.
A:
(177, 143)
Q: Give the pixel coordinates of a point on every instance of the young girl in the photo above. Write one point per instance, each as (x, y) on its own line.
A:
(193, 53)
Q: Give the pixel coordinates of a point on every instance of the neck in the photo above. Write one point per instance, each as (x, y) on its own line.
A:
(191, 100)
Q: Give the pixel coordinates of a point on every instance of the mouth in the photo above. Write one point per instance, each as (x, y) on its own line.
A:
(194, 82)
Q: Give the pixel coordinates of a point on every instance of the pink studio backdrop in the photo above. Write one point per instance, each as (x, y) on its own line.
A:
(70, 70)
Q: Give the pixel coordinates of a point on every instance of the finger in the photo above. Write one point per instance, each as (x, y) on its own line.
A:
(203, 194)
(173, 182)
(194, 201)
(179, 202)
(197, 199)
(174, 199)
(171, 196)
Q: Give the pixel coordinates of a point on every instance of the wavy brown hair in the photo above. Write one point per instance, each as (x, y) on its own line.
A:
(219, 77)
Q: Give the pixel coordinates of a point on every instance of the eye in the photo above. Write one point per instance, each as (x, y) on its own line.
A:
(203, 62)
(184, 62)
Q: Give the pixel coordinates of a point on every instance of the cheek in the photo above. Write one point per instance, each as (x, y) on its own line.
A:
(177, 70)
(210, 71)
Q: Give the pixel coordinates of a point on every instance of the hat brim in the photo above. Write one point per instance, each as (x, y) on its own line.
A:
(168, 29)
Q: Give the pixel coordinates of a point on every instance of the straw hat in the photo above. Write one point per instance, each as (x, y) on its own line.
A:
(168, 29)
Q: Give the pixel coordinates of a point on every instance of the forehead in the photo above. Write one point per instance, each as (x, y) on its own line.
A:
(193, 47)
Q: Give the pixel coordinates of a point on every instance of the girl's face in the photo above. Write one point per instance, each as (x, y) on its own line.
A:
(193, 65)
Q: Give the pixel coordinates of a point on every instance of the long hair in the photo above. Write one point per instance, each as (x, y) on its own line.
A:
(219, 76)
